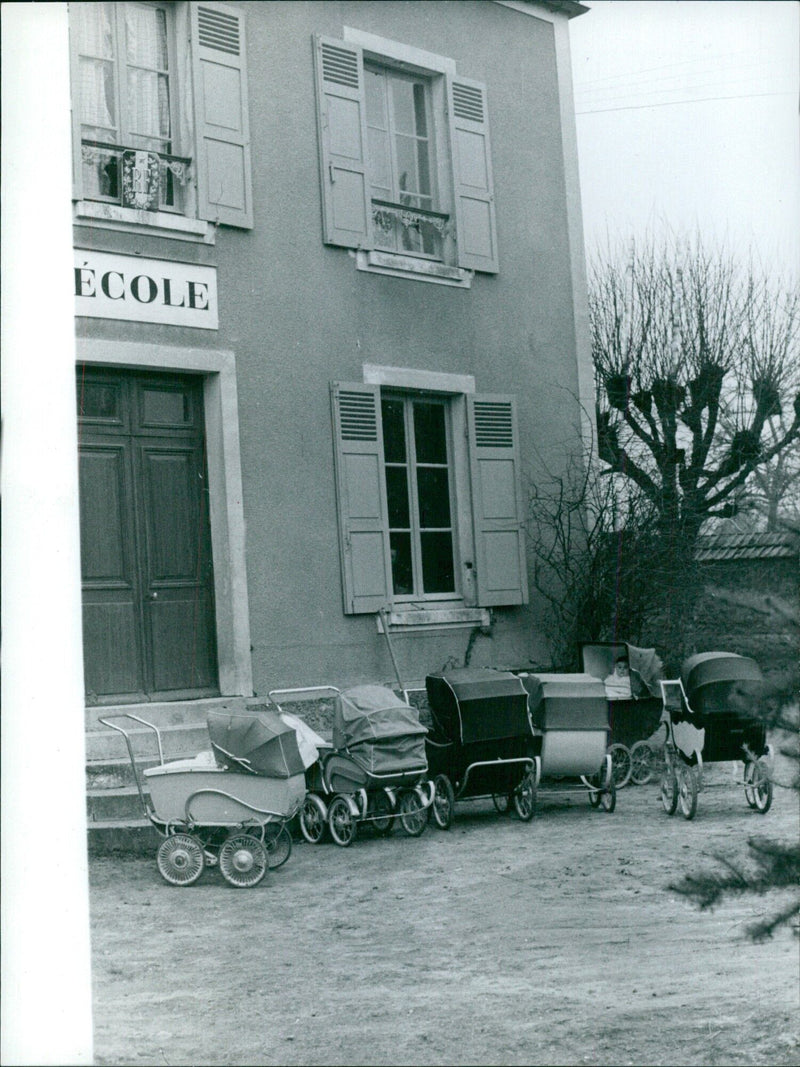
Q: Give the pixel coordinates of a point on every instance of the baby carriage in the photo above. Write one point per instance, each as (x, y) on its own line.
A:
(569, 718)
(711, 715)
(228, 806)
(634, 712)
(374, 772)
(482, 745)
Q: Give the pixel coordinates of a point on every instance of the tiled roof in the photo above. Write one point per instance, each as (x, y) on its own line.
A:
(721, 547)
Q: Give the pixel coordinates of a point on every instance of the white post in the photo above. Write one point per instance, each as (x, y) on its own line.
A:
(46, 1004)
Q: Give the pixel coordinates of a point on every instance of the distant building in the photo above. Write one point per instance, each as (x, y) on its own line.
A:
(330, 301)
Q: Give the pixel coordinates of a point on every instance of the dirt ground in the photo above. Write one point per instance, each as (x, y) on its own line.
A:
(497, 942)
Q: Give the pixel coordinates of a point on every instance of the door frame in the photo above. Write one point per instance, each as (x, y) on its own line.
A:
(226, 513)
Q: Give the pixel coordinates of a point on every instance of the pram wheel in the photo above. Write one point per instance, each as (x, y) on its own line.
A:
(621, 764)
(642, 757)
(608, 798)
(312, 819)
(382, 814)
(243, 861)
(341, 823)
(668, 790)
(757, 786)
(278, 843)
(413, 816)
(444, 801)
(180, 859)
(687, 790)
(524, 798)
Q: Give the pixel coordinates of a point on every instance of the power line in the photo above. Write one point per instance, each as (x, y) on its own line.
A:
(673, 103)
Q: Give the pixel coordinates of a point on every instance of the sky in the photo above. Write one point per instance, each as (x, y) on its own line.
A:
(687, 120)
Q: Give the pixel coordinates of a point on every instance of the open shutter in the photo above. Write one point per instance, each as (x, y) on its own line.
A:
(496, 501)
(360, 495)
(472, 175)
(222, 133)
(342, 125)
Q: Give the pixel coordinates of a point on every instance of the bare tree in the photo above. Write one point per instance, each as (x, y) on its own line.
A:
(694, 360)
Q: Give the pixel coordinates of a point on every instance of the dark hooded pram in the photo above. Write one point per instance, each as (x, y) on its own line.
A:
(374, 772)
(712, 715)
(482, 744)
(632, 719)
(228, 806)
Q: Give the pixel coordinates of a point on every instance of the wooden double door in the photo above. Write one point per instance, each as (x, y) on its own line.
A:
(148, 602)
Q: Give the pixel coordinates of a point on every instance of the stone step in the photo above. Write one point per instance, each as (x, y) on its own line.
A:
(115, 773)
(104, 805)
(177, 742)
(166, 713)
(130, 836)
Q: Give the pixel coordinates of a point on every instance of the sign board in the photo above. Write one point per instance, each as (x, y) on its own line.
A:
(112, 286)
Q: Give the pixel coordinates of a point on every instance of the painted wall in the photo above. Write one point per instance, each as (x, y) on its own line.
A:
(297, 315)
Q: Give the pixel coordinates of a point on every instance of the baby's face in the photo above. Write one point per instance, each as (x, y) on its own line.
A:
(621, 669)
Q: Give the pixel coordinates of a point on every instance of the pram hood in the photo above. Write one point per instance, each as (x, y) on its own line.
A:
(722, 681)
(256, 741)
(373, 714)
(646, 667)
(475, 704)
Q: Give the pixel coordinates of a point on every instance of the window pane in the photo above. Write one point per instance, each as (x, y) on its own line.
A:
(402, 574)
(98, 106)
(433, 492)
(146, 36)
(394, 433)
(437, 563)
(96, 401)
(429, 433)
(408, 100)
(148, 104)
(397, 496)
(420, 114)
(380, 167)
(165, 407)
(95, 36)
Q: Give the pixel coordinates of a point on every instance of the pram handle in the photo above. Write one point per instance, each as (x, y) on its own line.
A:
(107, 721)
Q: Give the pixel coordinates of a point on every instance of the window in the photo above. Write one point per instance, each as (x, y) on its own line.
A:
(142, 143)
(405, 159)
(416, 468)
(428, 497)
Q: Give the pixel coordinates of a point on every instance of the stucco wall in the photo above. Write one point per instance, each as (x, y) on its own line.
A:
(297, 314)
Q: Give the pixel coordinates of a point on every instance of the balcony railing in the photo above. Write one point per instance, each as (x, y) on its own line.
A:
(134, 177)
(410, 229)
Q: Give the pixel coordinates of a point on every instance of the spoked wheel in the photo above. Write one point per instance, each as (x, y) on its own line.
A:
(243, 861)
(313, 819)
(502, 801)
(642, 759)
(444, 802)
(278, 843)
(180, 859)
(608, 798)
(413, 816)
(341, 823)
(758, 787)
(669, 791)
(524, 798)
(621, 764)
(382, 814)
(687, 790)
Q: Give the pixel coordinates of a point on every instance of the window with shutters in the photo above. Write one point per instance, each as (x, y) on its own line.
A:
(429, 500)
(405, 160)
(160, 114)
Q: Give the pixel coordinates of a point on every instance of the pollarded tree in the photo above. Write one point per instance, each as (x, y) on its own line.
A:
(694, 360)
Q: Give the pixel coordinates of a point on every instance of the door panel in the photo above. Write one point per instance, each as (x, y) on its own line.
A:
(149, 624)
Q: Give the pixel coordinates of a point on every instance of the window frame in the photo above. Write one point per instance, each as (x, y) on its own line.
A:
(123, 132)
(409, 398)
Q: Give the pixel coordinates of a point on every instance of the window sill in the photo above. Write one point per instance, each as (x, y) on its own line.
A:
(421, 619)
(420, 270)
(129, 220)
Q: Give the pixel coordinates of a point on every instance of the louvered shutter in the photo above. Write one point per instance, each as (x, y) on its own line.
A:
(472, 175)
(222, 127)
(342, 125)
(496, 501)
(361, 496)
